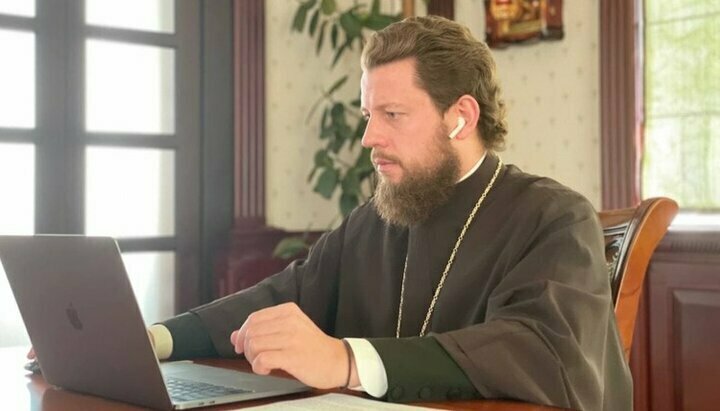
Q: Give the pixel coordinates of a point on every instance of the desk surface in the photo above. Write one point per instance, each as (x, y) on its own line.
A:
(21, 390)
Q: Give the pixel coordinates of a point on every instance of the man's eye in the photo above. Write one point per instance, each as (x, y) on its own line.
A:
(391, 114)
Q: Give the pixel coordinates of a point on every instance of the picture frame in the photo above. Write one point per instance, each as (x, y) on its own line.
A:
(520, 21)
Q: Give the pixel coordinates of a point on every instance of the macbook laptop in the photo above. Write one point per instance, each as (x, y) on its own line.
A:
(88, 334)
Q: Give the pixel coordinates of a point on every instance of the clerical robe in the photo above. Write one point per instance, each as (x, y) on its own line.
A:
(525, 312)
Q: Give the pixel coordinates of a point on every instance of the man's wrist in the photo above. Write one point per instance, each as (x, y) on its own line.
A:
(352, 380)
(368, 370)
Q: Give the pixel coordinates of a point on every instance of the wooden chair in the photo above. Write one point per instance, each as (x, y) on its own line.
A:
(631, 235)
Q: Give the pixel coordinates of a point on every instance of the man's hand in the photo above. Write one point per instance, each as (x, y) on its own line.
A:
(283, 337)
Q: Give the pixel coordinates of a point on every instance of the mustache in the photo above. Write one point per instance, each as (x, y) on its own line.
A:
(378, 156)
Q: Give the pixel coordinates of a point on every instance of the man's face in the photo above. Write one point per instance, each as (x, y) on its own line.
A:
(403, 124)
(411, 152)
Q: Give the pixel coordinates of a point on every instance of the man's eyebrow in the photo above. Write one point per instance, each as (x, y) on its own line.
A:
(384, 106)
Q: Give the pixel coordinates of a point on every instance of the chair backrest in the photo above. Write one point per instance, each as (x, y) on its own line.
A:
(631, 235)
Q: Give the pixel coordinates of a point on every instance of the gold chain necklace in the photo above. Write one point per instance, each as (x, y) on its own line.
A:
(450, 260)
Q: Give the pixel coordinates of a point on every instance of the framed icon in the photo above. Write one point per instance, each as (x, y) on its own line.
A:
(519, 21)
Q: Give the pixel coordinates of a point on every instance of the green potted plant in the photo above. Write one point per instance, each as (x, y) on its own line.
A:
(340, 123)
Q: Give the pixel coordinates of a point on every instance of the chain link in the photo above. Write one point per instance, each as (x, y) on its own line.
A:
(449, 264)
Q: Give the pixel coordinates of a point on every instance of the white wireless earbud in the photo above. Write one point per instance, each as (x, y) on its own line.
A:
(458, 128)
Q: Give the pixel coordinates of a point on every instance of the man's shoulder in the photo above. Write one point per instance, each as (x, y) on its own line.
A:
(547, 197)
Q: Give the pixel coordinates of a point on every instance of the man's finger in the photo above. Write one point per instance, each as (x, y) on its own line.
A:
(267, 361)
(31, 354)
(259, 321)
(270, 313)
(258, 345)
(239, 338)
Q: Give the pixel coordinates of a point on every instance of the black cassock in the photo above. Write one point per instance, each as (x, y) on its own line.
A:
(525, 312)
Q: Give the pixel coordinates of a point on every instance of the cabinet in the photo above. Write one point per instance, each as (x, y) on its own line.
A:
(675, 359)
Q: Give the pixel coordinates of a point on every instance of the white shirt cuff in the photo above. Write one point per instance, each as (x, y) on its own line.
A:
(163, 341)
(370, 368)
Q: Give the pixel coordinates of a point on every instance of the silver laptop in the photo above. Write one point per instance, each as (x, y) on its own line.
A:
(87, 331)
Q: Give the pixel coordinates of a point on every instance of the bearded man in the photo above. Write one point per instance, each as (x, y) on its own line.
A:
(462, 278)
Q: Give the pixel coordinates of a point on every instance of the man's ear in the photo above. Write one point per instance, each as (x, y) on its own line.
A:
(465, 110)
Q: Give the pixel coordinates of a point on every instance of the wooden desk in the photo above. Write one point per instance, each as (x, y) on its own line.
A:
(21, 390)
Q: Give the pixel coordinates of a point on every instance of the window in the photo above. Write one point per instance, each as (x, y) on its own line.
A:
(682, 107)
(96, 140)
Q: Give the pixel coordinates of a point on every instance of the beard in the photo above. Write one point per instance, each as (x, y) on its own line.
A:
(422, 190)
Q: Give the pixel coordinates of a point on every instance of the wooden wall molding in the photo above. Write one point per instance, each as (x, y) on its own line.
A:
(621, 101)
(684, 324)
(691, 242)
(249, 68)
(444, 8)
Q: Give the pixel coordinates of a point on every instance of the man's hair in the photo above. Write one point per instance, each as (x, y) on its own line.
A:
(449, 62)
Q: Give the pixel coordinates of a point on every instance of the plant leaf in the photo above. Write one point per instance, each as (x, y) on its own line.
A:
(375, 8)
(378, 21)
(334, 35)
(344, 132)
(290, 247)
(327, 131)
(337, 112)
(351, 182)
(351, 24)
(359, 131)
(338, 53)
(364, 163)
(314, 22)
(301, 15)
(336, 144)
(322, 159)
(328, 7)
(339, 83)
(348, 203)
(312, 174)
(324, 119)
(327, 182)
(321, 37)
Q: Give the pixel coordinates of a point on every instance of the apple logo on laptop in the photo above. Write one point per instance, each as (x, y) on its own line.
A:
(73, 317)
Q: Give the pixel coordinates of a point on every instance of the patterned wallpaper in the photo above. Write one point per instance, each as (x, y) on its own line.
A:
(551, 89)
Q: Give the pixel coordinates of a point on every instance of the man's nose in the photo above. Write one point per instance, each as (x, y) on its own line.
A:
(372, 138)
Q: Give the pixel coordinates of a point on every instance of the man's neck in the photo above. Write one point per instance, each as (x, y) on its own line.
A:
(474, 167)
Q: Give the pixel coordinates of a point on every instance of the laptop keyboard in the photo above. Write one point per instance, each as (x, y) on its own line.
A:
(188, 390)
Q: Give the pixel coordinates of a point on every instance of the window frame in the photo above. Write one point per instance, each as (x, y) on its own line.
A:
(203, 139)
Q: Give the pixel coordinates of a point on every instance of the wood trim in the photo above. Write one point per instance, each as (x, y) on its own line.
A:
(621, 101)
(640, 355)
(641, 229)
(689, 242)
(188, 126)
(24, 138)
(408, 8)
(249, 36)
(671, 365)
(15, 133)
(682, 261)
(443, 8)
(159, 141)
(218, 156)
(18, 22)
(159, 39)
